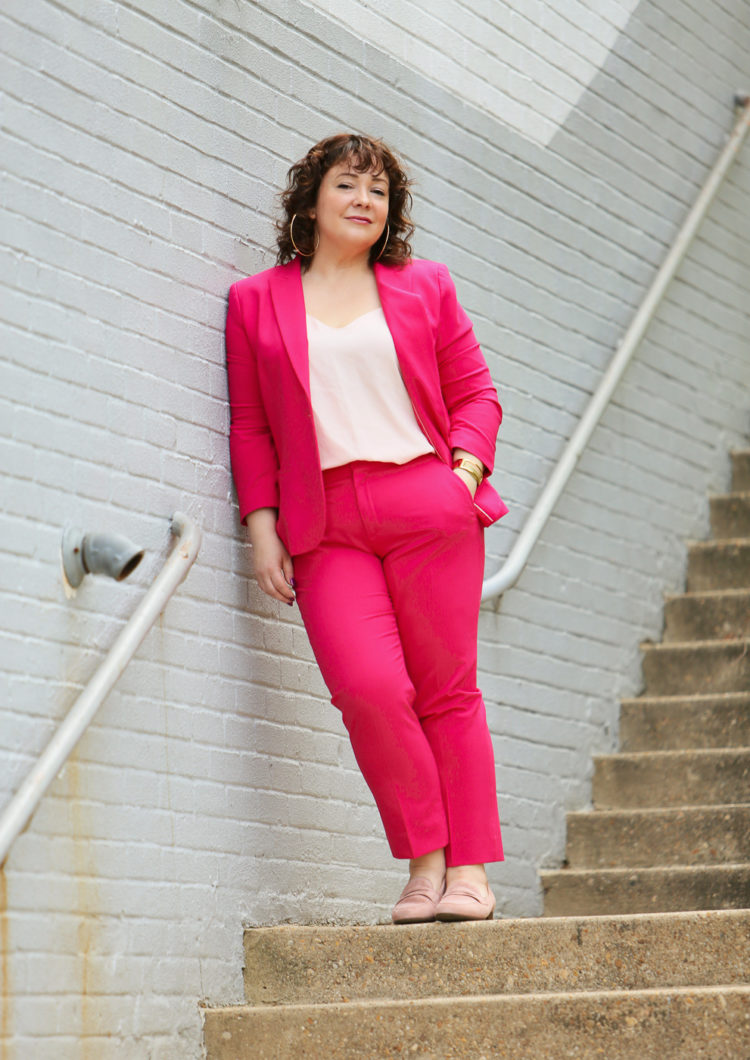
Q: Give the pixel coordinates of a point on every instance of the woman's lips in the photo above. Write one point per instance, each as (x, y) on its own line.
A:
(360, 220)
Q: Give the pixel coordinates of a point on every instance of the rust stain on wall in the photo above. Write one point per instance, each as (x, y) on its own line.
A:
(5, 996)
(84, 871)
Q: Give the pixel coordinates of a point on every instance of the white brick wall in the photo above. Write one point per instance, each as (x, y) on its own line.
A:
(527, 61)
(142, 145)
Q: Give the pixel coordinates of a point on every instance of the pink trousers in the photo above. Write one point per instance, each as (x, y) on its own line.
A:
(390, 600)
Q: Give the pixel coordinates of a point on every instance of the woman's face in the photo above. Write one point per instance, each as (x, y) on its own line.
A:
(351, 209)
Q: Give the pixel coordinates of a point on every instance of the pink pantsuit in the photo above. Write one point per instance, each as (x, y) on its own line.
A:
(388, 558)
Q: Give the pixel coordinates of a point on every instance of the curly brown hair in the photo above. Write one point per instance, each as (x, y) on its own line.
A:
(301, 194)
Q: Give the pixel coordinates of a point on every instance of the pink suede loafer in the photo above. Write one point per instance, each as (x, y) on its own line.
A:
(466, 901)
(417, 903)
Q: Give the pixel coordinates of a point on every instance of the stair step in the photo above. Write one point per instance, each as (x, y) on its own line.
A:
(718, 565)
(660, 779)
(322, 964)
(697, 667)
(594, 892)
(667, 723)
(741, 469)
(718, 615)
(730, 515)
(696, 835)
(643, 948)
(619, 1025)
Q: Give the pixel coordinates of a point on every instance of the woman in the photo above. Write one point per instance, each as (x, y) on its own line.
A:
(363, 426)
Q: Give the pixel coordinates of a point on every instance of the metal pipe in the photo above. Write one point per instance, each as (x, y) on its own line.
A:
(102, 553)
(20, 809)
(511, 570)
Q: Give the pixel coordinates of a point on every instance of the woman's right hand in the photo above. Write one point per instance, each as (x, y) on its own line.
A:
(272, 563)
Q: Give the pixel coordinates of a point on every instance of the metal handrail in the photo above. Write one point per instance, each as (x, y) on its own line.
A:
(20, 809)
(511, 570)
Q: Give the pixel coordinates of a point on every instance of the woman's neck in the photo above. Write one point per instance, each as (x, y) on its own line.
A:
(331, 265)
(337, 292)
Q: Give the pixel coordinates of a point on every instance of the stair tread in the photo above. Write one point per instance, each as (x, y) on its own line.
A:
(656, 837)
(677, 723)
(695, 645)
(693, 698)
(700, 594)
(652, 811)
(620, 1024)
(739, 917)
(706, 545)
(288, 963)
(707, 753)
(453, 999)
(638, 890)
(633, 870)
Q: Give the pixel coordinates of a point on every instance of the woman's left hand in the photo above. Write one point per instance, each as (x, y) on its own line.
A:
(469, 481)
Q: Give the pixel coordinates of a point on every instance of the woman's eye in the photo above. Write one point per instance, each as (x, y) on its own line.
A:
(378, 191)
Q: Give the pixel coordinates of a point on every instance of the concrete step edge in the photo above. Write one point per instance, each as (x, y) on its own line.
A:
(709, 646)
(518, 922)
(706, 753)
(724, 869)
(578, 996)
(708, 594)
(642, 920)
(656, 811)
(693, 698)
(718, 544)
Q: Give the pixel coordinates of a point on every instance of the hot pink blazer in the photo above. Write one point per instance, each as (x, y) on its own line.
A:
(273, 447)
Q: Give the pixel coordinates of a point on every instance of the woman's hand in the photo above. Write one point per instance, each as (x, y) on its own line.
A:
(272, 563)
(466, 477)
(469, 481)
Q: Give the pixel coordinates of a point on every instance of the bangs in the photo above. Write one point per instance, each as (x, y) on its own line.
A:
(361, 155)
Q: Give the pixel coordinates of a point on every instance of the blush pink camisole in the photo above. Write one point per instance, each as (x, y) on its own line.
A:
(361, 408)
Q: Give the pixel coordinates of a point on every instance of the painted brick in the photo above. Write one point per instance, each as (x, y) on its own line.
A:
(143, 147)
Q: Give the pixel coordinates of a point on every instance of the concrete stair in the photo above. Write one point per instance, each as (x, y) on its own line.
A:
(670, 829)
(618, 987)
(644, 948)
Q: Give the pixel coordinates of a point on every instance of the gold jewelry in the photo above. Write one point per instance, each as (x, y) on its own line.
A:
(471, 468)
(385, 244)
(473, 460)
(291, 236)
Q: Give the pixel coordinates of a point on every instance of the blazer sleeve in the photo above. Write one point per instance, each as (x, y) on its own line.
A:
(468, 391)
(255, 463)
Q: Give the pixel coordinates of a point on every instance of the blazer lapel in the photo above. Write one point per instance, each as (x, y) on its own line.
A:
(407, 323)
(402, 308)
(289, 309)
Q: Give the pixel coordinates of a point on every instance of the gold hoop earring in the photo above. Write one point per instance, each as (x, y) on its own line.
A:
(291, 236)
(385, 243)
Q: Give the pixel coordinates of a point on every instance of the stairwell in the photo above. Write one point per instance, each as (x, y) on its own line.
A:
(644, 947)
